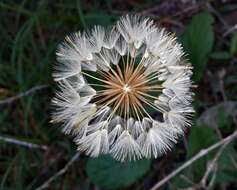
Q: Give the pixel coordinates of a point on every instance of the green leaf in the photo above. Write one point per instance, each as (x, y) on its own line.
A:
(227, 176)
(198, 40)
(200, 138)
(224, 120)
(226, 166)
(106, 172)
(233, 44)
(227, 171)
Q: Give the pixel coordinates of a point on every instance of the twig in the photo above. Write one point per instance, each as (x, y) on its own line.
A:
(212, 181)
(22, 94)
(193, 159)
(233, 161)
(23, 143)
(187, 179)
(212, 164)
(218, 15)
(59, 173)
(230, 30)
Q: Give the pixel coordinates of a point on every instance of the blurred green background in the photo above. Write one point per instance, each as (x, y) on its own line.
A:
(30, 31)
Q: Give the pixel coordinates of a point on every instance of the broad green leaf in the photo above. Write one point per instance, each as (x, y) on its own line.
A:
(200, 138)
(227, 171)
(198, 40)
(178, 182)
(106, 172)
(226, 176)
(218, 115)
(224, 120)
(233, 44)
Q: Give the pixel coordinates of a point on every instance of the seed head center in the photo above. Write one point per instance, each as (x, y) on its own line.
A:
(126, 88)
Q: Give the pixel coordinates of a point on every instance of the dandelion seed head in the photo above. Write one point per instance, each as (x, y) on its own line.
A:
(114, 82)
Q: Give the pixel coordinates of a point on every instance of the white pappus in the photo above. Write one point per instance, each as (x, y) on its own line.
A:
(125, 90)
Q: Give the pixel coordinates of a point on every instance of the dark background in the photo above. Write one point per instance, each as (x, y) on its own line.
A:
(29, 33)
